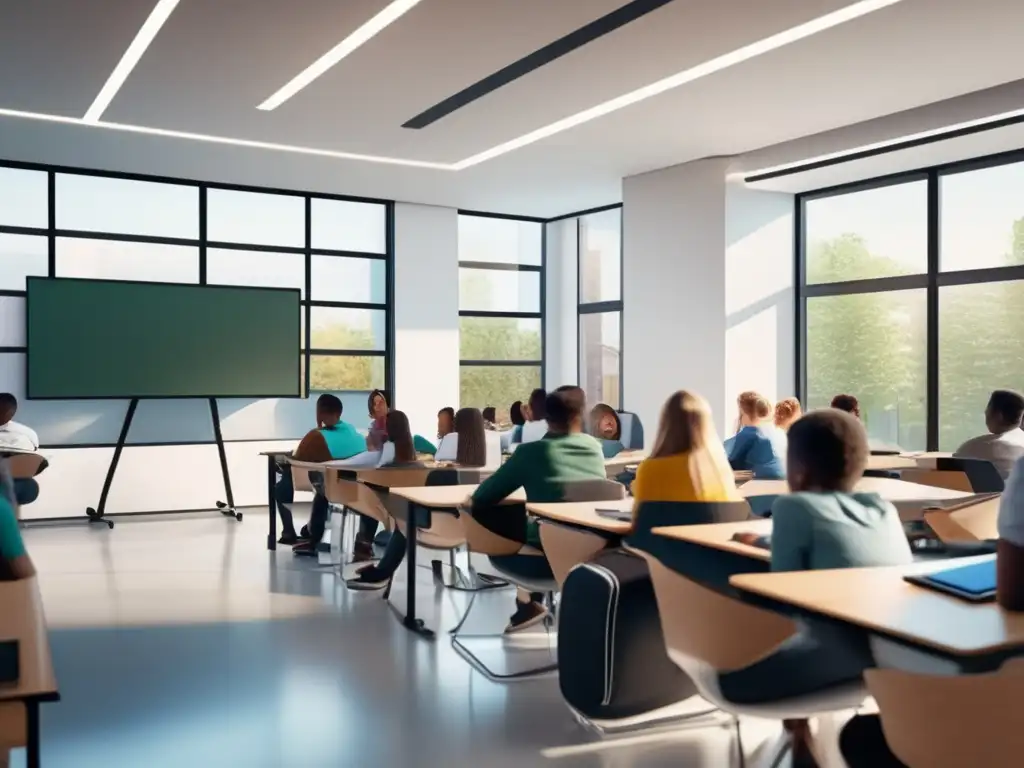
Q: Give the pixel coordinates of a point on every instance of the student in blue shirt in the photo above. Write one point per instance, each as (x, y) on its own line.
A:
(758, 444)
(332, 439)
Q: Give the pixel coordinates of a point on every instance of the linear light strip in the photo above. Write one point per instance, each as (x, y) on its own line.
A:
(157, 17)
(717, 64)
(841, 153)
(370, 29)
(229, 141)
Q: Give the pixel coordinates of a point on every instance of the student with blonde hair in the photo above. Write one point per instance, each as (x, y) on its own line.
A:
(688, 462)
(786, 412)
(757, 445)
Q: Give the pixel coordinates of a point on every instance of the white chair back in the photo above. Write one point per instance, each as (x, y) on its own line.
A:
(493, 445)
(534, 430)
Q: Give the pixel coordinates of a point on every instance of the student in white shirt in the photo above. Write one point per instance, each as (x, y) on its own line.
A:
(1004, 443)
(467, 439)
(536, 425)
(17, 438)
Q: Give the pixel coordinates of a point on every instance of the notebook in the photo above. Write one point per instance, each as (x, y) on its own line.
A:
(975, 582)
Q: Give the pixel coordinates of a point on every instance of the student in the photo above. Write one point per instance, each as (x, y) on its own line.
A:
(21, 439)
(536, 414)
(332, 439)
(688, 462)
(399, 450)
(14, 560)
(490, 417)
(757, 445)
(786, 412)
(606, 427)
(1004, 443)
(470, 427)
(822, 524)
(514, 435)
(515, 414)
(470, 451)
(445, 422)
(542, 468)
(377, 405)
(847, 403)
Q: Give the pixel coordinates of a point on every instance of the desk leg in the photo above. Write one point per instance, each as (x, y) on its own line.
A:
(32, 742)
(272, 502)
(410, 621)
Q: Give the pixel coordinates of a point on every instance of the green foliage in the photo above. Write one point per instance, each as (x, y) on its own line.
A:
(873, 345)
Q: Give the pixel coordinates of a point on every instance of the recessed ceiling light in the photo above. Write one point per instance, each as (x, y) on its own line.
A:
(228, 141)
(386, 17)
(717, 64)
(131, 57)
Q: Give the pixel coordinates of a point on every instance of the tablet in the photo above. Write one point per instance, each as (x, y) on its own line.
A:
(975, 582)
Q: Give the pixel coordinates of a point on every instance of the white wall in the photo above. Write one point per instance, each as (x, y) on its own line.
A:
(759, 293)
(426, 306)
(674, 288)
(561, 365)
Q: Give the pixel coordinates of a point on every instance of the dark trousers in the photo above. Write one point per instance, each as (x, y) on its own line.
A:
(26, 490)
(284, 494)
(821, 657)
(863, 744)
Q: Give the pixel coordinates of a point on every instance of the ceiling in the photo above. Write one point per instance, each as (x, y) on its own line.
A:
(212, 63)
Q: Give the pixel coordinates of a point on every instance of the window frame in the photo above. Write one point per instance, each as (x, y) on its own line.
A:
(931, 281)
(541, 315)
(600, 307)
(202, 244)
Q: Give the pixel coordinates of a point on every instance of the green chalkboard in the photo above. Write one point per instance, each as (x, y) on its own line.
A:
(120, 339)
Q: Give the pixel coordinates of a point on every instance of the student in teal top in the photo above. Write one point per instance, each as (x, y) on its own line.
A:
(332, 439)
(14, 560)
(822, 524)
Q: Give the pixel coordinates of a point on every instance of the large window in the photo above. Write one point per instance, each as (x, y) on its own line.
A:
(913, 298)
(501, 300)
(599, 239)
(106, 226)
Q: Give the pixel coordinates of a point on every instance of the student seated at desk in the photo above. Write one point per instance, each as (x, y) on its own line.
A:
(377, 434)
(332, 439)
(757, 445)
(399, 450)
(606, 427)
(17, 437)
(688, 462)
(469, 425)
(786, 412)
(470, 452)
(1004, 443)
(514, 435)
(823, 524)
(536, 417)
(490, 415)
(14, 560)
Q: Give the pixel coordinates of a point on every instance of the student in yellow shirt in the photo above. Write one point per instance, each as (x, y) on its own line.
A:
(688, 462)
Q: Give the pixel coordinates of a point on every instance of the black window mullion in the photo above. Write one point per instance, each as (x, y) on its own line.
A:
(202, 234)
(308, 259)
(51, 195)
(932, 332)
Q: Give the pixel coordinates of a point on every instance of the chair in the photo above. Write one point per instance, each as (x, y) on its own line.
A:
(493, 445)
(24, 466)
(951, 721)
(664, 514)
(520, 564)
(566, 546)
(981, 474)
(708, 634)
(970, 522)
(631, 431)
(533, 431)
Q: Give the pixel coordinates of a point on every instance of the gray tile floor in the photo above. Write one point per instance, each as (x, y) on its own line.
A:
(183, 642)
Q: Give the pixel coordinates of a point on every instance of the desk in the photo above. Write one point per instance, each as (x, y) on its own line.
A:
(719, 536)
(618, 463)
(22, 619)
(979, 636)
(909, 498)
(421, 500)
(891, 463)
(583, 514)
(273, 457)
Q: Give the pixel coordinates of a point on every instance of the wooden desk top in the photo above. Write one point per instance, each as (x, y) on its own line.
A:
(893, 463)
(584, 514)
(447, 496)
(719, 536)
(626, 457)
(887, 488)
(22, 619)
(879, 599)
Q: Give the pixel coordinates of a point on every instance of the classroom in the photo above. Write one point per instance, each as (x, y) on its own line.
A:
(627, 383)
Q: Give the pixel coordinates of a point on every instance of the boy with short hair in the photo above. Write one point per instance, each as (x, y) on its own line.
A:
(1004, 443)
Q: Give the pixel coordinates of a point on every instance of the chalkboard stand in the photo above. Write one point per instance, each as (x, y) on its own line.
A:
(98, 515)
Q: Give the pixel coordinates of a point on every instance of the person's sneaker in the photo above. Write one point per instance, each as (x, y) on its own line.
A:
(367, 578)
(526, 615)
(304, 532)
